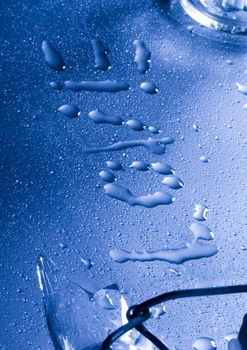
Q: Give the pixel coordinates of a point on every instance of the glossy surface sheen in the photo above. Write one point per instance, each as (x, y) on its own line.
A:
(53, 197)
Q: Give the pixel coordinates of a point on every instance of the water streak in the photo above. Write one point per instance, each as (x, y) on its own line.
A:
(192, 251)
(156, 146)
(101, 118)
(97, 86)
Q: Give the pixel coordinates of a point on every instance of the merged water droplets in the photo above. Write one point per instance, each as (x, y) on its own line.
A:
(148, 201)
(52, 57)
(193, 250)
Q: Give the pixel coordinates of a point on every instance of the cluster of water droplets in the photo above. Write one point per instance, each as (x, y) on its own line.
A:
(198, 247)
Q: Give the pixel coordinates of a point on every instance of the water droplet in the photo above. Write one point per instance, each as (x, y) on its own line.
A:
(148, 201)
(98, 86)
(70, 111)
(135, 124)
(173, 182)
(201, 232)
(204, 159)
(153, 129)
(107, 176)
(204, 343)
(149, 87)
(242, 88)
(142, 56)
(162, 168)
(101, 118)
(193, 250)
(195, 127)
(52, 56)
(87, 262)
(156, 146)
(56, 86)
(100, 54)
(231, 336)
(139, 165)
(200, 212)
(114, 165)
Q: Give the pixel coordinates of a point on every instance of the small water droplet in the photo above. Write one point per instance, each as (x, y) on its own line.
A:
(149, 87)
(56, 86)
(70, 111)
(196, 127)
(204, 159)
(87, 262)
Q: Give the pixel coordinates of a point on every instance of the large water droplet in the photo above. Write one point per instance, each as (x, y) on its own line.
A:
(162, 168)
(52, 56)
(204, 343)
(173, 182)
(201, 231)
(100, 54)
(70, 111)
(107, 176)
(242, 88)
(142, 56)
(200, 212)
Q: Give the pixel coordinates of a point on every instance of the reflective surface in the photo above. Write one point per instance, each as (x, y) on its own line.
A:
(53, 197)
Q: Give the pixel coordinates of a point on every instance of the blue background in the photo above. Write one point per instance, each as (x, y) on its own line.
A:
(51, 195)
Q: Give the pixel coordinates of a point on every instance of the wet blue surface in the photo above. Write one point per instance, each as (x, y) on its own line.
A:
(53, 200)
